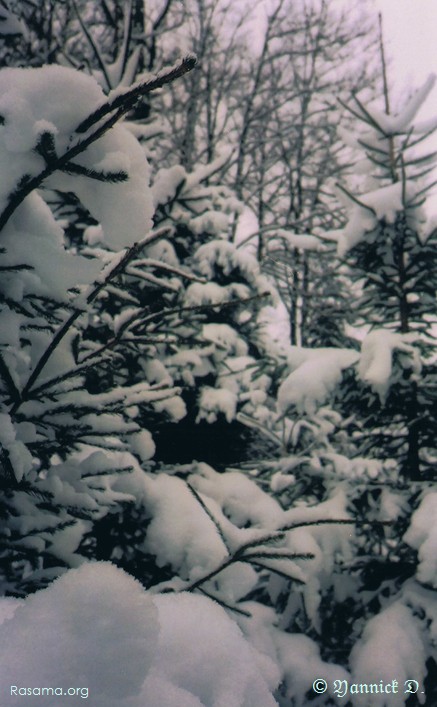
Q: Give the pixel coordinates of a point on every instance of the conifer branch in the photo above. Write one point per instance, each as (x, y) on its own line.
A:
(372, 148)
(198, 583)
(165, 313)
(8, 380)
(350, 110)
(130, 253)
(423, 137)
(101, 176)
(225, 605)
(119, 106)
(125, 101)
(238, 556)
(272, 538)
(404, 144)
(424, 190)
(334, 521)
(430, 157)
(366, 117)
(203, 505)
(15, 268)
(356, 200)
(279, 555)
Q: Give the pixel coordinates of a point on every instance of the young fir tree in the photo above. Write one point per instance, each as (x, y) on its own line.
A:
(389, 244)
(48, 414)
(375, 445)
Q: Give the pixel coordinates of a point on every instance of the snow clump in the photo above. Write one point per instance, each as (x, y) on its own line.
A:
(97, 628)
(50, 103)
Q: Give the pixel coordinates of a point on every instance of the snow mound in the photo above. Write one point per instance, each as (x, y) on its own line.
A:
(204, 652)
(300, 660)
(94, 627)
(240, 497)
(391, 646)
(303, 241)
(400, 123)
(97, 629)
(179, 535)
(215, 401)
(380, 204)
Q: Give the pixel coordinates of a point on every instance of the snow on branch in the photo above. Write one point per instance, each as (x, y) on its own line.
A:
(123, 100)
(116, 107)
(109, 273)
(137, 317)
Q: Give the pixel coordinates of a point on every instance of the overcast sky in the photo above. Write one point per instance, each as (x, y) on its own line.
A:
(410, 31)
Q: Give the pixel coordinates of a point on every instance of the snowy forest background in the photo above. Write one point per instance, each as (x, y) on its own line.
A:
(217, 356)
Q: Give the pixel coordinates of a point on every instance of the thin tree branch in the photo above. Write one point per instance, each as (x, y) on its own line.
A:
(168, 312)
(333, 521)
(356, 200)
(6, 375)
(128, 98)
(214, 520)
(93, 45)
(62, 331)
(121, 105)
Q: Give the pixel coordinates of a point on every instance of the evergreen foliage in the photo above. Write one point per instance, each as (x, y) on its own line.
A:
(150, 419)
(391, 249)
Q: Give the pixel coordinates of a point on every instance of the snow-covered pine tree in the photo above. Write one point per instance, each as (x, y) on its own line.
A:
(389, 243)
(67, 437)
(361, 425)
(185, 314)
(55, 479)
(388, 398)
(76, 406)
